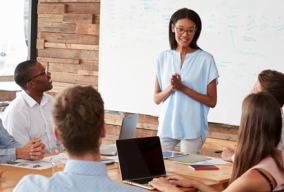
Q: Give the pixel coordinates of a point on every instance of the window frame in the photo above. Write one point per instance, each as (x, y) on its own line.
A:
(32, 30)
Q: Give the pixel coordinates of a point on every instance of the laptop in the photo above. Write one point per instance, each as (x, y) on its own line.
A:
(140, 160)
(128, 130)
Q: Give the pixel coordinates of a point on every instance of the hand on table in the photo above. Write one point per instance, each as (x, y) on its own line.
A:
(163, 184)
(170, 183)
(227, 154)
(33, 150)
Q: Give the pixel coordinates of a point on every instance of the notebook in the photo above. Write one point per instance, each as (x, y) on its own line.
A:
(140, 160)
(203, 167)
(169, 154)
(187, 159)
(128, 129)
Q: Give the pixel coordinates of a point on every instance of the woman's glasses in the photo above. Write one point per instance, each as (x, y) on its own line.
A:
(188, 32)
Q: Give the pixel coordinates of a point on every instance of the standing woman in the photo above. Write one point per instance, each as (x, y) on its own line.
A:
(186, 85)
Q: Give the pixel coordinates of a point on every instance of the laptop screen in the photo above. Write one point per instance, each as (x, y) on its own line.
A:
(140, 157)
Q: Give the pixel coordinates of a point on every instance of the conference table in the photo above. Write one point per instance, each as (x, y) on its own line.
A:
(217, 179)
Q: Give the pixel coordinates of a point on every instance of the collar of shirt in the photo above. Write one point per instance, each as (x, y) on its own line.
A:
(31, 102)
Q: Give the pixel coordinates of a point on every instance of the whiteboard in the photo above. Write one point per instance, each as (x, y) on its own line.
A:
(244, 36)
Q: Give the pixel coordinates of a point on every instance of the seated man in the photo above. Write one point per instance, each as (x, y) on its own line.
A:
(29, 114)
(78, 114)
(10, 150)
(271, 82)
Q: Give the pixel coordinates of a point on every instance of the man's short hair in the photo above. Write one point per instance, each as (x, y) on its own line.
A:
(78, 114)
(22, 73)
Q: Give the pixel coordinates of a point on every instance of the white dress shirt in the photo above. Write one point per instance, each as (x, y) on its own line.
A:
(25, 119)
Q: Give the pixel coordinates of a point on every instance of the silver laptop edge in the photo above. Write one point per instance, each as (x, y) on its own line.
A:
(127, 130)
(145, 186)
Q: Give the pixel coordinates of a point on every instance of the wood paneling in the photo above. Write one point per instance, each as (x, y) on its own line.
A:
(71, 46)
(57, 27)
(69, 54)
(40, 43)
(50, 18)
(68, 41)
(51, 8)
(84, 65)
(58, 60)
(78, 18)
(74, 78)
(85, 8)
(87, 29)
(69, 38)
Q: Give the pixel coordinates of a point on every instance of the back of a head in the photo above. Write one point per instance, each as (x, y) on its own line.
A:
(78, 114)
(259, 132)
(272, 82)
(185, 13)
(261, 120)
(22, 72)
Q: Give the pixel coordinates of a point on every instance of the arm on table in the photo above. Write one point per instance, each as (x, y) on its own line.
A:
(169, 184)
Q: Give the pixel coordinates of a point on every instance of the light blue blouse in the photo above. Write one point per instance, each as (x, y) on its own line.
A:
(182, 117)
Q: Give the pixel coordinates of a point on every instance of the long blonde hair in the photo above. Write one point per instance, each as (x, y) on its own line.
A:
(259, 133)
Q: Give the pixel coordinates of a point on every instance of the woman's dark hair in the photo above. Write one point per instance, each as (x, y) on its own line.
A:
(191, 15)
(272, 82)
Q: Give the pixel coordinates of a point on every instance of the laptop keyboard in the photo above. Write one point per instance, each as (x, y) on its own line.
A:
(145, 180)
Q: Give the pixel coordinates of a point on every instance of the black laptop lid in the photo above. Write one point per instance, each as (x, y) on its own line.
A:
(140, 157)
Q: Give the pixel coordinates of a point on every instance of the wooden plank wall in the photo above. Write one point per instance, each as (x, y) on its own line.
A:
(219, 135)
(68, 44)
(68, 41)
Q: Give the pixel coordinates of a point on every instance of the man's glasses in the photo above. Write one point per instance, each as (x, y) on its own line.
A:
(188, 32)
(43, 72)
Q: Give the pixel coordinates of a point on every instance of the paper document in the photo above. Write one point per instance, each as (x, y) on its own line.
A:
(30, 164)
(45, 163)
(213, 161)
(61, 157)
